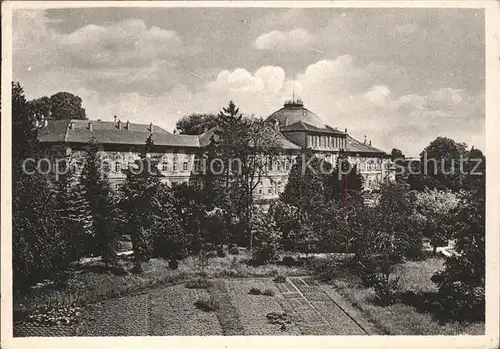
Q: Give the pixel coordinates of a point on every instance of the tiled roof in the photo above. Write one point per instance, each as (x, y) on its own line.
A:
(354, 145)
(107, 132)
(205, 139)
(303, 126)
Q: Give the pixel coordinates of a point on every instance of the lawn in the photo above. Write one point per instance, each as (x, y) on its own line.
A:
(402, 319)
(93, 284)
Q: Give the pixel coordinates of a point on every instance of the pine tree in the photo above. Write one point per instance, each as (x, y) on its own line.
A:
(139, 197)
(73, 209)
(38, 240)
(305, 187)
(98, 195)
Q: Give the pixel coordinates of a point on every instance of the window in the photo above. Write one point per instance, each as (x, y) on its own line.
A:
(106, 166)
(269, 164)
(164, 166)
(287, 165)
(278, 165)
(259, 190)
(118, 166)
(270, 190)
(174, 164)
(185, 166)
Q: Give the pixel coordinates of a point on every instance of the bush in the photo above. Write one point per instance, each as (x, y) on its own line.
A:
(198, 283)
(61, 315)
(254, 291)
(220, 251)
(233, 250)
(325, 268)
(173, 264)
(264, 255)
(211, 254)
(206, 304)
(280, 279)
(461, 301)
(377, 274)
(289, 261)
(268, 292)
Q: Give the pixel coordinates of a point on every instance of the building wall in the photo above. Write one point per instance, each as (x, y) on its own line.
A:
(178, 165)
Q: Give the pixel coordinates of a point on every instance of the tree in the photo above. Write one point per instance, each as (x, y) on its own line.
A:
(39, 242)
(432, 209)
(101, 202)
(241, 146)
(344, 180)
(196, 124)
(440, 165)
(397, 154)
(305, 188)
(73, 210)
(266, 238)
(461, 284)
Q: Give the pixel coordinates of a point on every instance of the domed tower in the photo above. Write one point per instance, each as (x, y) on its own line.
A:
(305, 128)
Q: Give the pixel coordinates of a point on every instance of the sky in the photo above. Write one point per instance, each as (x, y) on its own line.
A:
(402, 77)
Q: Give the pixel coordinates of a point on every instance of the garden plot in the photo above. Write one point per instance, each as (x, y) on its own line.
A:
(172, 313)
(123, 316)
(253, 309)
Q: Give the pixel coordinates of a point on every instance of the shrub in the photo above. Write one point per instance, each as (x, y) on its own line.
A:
(325, 268)
(173, 264)
(263, 255)
(281, 319)
(266, 238)
(255, 291)
(289, 261)
(220, 251)
(61, 315)
(211, 254)
(280, 279)
(268, 292)
(377, 274)
(197, 283)
(206, 304)
(233, 250)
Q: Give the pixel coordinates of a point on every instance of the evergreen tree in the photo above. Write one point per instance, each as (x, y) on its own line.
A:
(98, 195)
(344, 180)
(305, 188)
(139, 194)
(38, 240)
(73, 209)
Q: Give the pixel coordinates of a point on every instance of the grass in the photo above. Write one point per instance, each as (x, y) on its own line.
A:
(93, 283)
(401, 319)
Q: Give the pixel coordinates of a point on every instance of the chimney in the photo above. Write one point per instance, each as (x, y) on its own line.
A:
(151, 127)
(119, 124)
(114, 118)
(127, 126)
(364, 140)
(345, 130)
(90, 126)
(72, 125)
(370, 143)
(276, 125)
(286, 121)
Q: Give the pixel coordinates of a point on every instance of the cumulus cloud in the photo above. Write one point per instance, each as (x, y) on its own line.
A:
(295, 39)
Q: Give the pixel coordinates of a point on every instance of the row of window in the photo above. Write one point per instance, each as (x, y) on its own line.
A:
(325, 142)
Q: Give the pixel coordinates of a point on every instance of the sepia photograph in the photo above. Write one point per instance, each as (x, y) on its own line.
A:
(231, 169)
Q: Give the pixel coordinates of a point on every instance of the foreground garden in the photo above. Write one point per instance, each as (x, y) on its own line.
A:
(233, 297)
(208, 259)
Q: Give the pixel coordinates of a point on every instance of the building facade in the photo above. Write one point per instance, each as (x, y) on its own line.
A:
(297, 128)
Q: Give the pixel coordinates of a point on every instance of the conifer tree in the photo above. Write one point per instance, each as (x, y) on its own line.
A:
(98, 195)
(139, 197)
(73, 209)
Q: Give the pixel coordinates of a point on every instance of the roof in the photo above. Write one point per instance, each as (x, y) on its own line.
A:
(304, 126)
(353, 145)
(107, 132)
(294, 111)
(206, 137)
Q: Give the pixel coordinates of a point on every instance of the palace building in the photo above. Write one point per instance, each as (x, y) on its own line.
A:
(297, 128)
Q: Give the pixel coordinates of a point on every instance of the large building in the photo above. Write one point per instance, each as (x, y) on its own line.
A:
(296, 126)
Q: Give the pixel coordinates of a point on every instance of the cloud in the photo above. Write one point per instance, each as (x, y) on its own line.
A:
(378, 95)
(293, 40)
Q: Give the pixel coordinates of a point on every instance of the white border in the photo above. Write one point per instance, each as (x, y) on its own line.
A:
(492, 151)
